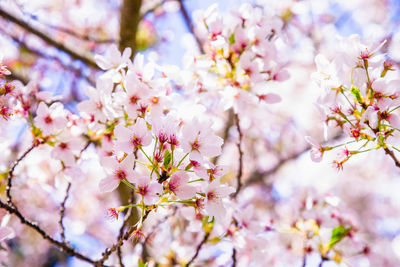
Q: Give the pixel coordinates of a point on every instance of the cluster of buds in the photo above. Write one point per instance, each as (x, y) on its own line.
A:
(361, 97)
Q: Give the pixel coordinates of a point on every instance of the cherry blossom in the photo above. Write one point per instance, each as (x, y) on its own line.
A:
(149, 190)
(200, 141)
(50, 119)
(178, 184)
(215, 193)
(117, 171)
(133, 137)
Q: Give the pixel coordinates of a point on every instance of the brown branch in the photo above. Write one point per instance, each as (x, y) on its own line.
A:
(189, 24)
(11, 172)
(234, 257)
(131, 215)
(83, 37)
(152, 231)
(106, 254)
(129, 22)
(45, 37)
(225, 135)
(124, 224)
(62, 213)
(199, 246)
(151, 10)
(393, 156)
(61, 245)
(240, 171)
(257, 176)
(77, 71)
(304, 262)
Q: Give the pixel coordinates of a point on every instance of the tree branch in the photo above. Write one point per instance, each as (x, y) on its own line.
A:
(61, 245)
(106, 254)
(130, 18)
(62, 214)
(199, 246)
(257, 176)
(393, 156)
(11, 173)
(59, 45)
(189, 24)
(77, 71)
(240, 171)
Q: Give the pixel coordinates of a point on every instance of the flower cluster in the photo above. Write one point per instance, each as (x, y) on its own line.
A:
(361, 96)
(240, 61)
(161, 157)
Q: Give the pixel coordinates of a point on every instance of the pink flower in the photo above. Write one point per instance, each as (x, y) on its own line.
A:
(213, 204)
(67, 148)
(118, 171)
(178, 184)
(134, 137)
(317, 150)
(199, 140)
(136, 93)
(215, 172)
(50, 119)
(149, 190)
(98, 107)
(165, 128)
(113, 58)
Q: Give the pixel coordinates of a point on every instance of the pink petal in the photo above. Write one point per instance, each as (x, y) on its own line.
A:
(108, 184)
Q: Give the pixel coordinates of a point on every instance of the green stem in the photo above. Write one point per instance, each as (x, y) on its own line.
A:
(198, 180)
(349, 142)
(128, 184)
(394, 109)
(347, 99)
(180, 162)
(395, 148)
(141, 149)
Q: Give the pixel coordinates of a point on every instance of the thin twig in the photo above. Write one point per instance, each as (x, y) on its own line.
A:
(151, 10)
(240, 171)
(106, 254)
(199, 246)
(189, 24)
(304, 260)
(83, 37)
(61, 245)
(127, 215)
(45, 37)
(393, 156)
(152, 231)
(124, 224)
(11, 173)
(225, 135)
(234, 257)
(77, 71)
(258, 176)
(62, 213)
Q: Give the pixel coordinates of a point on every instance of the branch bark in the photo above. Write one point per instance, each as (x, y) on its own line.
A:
(129, 22)
(189, 24)
(61, 245)
(45, 37)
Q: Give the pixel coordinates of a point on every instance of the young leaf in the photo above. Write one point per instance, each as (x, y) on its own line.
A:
(141, 263)
(356, 93)
(167, 159)
(338, 233)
